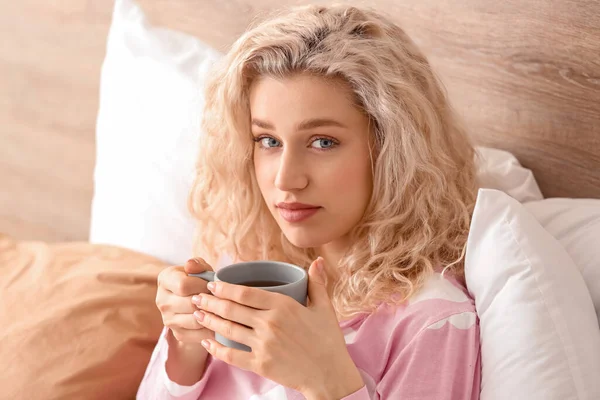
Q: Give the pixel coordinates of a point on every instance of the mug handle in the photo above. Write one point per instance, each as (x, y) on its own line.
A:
(207, 276)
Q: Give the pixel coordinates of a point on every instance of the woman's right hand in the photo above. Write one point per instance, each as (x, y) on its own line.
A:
(174, 301)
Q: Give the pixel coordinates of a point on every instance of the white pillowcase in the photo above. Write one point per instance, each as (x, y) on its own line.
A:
(539, 332)
(148, 127)
(151, 98)
(499, 169)
(575, 223)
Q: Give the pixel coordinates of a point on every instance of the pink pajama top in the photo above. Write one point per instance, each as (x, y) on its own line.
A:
(425, 349)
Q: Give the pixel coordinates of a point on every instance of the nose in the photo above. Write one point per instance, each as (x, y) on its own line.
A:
(291, 174)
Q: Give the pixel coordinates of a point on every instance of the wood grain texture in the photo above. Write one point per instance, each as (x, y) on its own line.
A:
(50, 58)
(525, 76)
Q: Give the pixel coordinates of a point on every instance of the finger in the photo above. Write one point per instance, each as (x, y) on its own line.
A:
(182, 321)
(317, 285)
(177, 282)
(228, 309)
(196, 265)
(189, 335)
(229, 329)
(169, 303)
(239, 358)
(246, 295)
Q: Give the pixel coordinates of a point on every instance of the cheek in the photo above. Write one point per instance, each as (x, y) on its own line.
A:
(350, 184)
(263, 173)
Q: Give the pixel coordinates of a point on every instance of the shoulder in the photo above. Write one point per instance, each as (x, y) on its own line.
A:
(441, 300)
(438, 323)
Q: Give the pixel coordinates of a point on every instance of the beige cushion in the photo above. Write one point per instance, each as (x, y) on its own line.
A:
(78, 321)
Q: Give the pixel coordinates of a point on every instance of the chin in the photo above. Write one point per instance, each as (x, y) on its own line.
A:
(304, 238)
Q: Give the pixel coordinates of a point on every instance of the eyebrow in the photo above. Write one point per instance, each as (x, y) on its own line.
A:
(304, 125)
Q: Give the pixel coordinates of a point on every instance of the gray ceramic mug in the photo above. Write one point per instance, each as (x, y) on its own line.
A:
(272, 276)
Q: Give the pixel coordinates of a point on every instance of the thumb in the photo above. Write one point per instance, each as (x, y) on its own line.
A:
(196, 265)
(317, 283)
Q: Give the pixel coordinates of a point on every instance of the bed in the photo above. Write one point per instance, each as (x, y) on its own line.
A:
(524, 75)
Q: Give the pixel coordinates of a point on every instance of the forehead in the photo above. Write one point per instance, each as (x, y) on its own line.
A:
(300, 94)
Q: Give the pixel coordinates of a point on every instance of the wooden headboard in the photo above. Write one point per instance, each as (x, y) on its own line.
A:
(524, 74)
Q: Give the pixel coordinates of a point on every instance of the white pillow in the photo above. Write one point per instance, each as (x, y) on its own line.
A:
(539, 332)
(499, 169)
(151, 97)
(576, 225)
(148, 126)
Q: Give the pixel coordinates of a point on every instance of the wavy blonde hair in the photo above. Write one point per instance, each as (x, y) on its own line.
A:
(423, 162)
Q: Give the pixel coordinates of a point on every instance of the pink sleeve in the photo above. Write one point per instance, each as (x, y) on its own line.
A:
(361, 394)
(156, 385)
(441, 362)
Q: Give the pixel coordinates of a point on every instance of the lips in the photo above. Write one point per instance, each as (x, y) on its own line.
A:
(296, 212)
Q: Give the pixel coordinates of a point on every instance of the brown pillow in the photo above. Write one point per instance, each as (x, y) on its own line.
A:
(77, 320)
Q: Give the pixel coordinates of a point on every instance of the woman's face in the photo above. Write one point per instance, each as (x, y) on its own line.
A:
(311, 157)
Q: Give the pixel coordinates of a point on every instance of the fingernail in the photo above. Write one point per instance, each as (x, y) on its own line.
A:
(199, 315)
(211, 286)
(196, 300)
(205, 343)
(193, 260)
(320, 264)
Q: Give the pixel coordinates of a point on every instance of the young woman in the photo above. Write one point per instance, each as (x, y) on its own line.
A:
(328, 142)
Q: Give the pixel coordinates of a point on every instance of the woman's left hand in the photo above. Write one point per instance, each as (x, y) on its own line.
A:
(299, 347)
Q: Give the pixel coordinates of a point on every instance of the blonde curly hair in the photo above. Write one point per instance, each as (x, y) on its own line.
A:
(424, 184)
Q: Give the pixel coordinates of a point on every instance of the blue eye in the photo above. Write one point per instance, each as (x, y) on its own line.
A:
(323, 143)
(267, 142)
